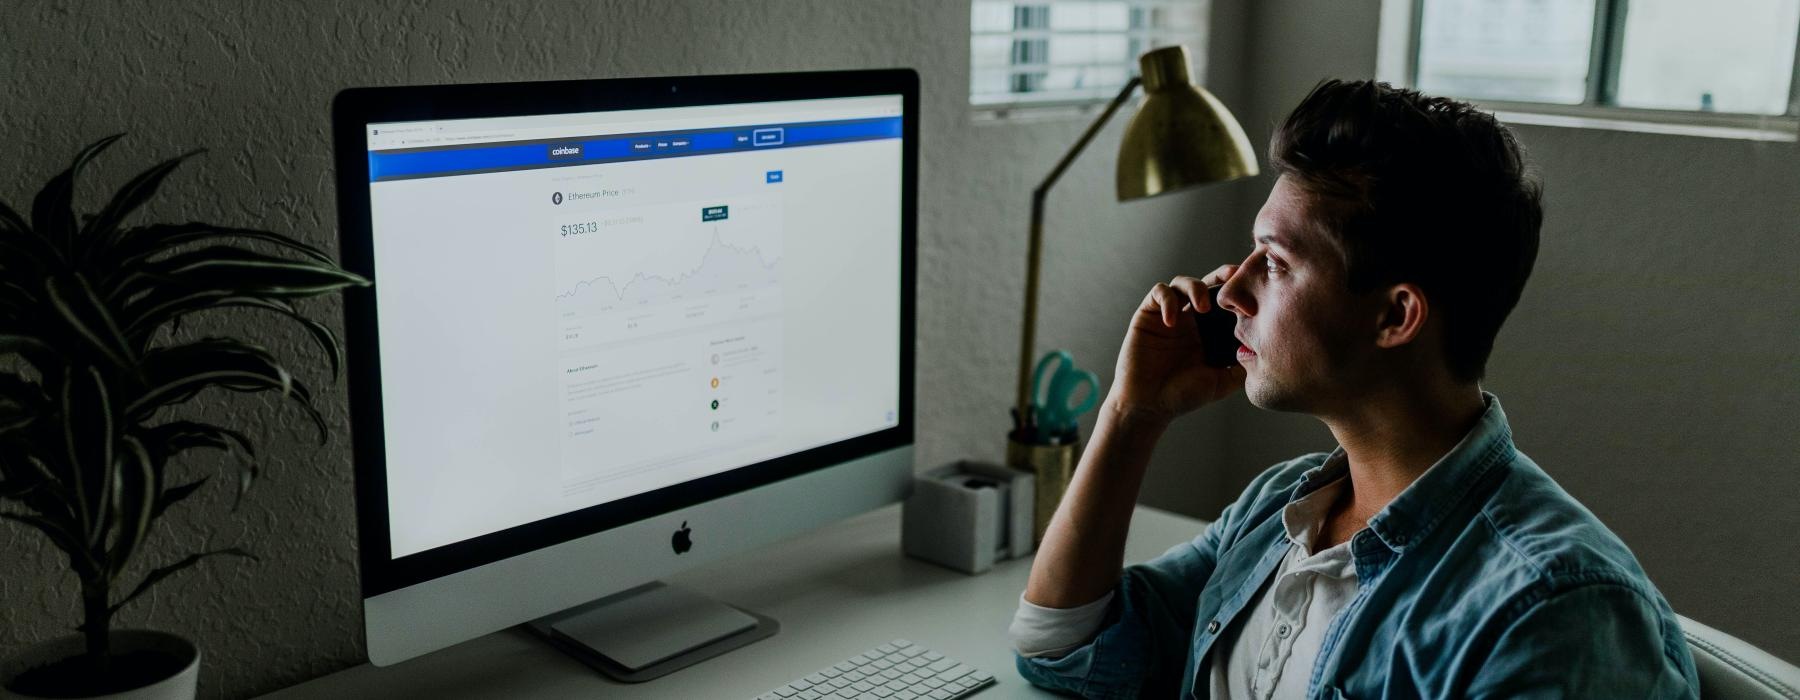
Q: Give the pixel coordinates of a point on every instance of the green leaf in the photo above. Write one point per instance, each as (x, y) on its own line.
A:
(143, 315)
(178, 372)
(134, 500)
(141, 242)
(35, 352)
(19, 477)
(15, 420)
(246, 476)
(89, 435)
(241, 272)
(101, 231)
(22, 344)
(16, 303)
(28, 395)
(176, 494)
(65, 499)
(324, 337)
(74, 300)
(174, 437)
(159, 574)
(52, 213)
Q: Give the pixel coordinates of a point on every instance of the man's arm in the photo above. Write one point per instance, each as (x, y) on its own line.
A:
(1084, 547)
(1161, 374)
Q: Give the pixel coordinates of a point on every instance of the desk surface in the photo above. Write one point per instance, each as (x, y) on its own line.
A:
(836, 592)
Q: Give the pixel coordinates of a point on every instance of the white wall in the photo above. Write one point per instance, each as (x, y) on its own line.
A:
(253, 83)
(1651, 366)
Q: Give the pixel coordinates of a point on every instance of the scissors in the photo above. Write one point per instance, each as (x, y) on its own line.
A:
(1055, 416)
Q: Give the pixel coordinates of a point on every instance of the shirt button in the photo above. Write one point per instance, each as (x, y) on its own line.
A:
(1212, 627)
(1283, 631)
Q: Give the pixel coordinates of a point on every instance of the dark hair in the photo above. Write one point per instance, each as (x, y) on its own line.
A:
(1420, 189)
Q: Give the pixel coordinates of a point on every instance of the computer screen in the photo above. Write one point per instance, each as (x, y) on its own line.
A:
(579, 308)
(602, 308)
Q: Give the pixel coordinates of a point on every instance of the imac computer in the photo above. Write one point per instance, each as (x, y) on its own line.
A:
(618, 329)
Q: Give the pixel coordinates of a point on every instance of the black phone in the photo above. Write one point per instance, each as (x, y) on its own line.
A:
(1218, 333)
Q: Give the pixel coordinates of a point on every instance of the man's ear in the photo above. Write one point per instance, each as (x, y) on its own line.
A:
(1404, 311)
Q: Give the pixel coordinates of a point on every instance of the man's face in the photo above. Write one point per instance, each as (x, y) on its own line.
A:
(1312, 339)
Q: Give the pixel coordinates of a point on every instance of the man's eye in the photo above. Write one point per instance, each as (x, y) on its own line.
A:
(1273, 267)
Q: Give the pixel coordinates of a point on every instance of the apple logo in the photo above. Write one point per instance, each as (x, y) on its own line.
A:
(680, 540)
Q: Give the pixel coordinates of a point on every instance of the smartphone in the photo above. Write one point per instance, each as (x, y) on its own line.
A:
(1218, 332)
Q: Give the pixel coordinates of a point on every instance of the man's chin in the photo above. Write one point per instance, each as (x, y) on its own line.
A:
(1269, 397)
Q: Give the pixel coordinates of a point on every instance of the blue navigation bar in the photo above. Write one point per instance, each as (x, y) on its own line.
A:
(399, 165)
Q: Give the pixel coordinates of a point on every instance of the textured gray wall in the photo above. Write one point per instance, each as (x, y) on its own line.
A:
(1652, 363)
(253, 83)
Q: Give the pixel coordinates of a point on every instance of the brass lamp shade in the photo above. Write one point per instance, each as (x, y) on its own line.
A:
(1181, 135)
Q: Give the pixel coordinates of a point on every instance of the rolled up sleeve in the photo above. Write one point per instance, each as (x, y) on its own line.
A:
(1141, 647)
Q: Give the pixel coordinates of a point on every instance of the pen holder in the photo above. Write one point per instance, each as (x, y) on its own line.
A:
(1052, 467)
(968, 515)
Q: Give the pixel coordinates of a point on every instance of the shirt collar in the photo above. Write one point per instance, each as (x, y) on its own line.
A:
(1304, 515)
(1422, 506)
(1302, 519)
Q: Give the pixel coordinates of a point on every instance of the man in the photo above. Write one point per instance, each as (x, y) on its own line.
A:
(1425, 556)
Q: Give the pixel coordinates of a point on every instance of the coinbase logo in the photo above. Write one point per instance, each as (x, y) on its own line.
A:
(565, 151)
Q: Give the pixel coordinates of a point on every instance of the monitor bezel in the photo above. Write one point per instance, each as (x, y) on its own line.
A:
(355, 108)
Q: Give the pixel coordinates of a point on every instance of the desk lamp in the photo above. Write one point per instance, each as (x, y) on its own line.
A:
(1181, 136)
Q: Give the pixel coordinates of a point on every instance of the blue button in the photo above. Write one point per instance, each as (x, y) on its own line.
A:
(766, 137)
(773, 176)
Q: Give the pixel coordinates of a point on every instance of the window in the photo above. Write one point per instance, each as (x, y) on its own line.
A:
(1724, 63)
(1072, 52)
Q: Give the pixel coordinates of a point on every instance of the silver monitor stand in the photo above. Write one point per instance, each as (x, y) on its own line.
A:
(651, 631)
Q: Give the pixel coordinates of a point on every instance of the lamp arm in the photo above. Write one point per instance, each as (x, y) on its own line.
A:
(1028, 336)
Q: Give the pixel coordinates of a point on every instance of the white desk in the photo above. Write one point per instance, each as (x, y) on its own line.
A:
(836, 592)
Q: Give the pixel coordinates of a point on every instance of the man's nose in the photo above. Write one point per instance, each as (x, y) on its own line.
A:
(1234, 294)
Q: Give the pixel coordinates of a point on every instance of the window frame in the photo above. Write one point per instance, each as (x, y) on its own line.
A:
(1397, 63)
(1057, 109)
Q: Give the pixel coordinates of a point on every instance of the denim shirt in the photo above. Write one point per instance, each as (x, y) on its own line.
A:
(1483, 579)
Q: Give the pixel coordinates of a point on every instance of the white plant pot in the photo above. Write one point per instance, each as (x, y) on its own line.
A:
(180, 686)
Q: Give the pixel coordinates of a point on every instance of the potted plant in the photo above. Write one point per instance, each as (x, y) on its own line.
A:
(90, 358)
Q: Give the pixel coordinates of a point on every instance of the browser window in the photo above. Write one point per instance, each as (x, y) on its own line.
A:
(579, 308)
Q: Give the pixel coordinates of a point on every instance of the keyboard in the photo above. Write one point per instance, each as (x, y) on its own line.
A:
(897, 670)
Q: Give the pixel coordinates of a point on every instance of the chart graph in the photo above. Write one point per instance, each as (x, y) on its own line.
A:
(630, 273)
(722, 268)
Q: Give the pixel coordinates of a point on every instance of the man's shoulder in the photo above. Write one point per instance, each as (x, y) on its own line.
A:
(1552, 541)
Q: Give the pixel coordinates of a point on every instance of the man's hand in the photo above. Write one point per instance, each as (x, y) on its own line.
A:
(1161, 372)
